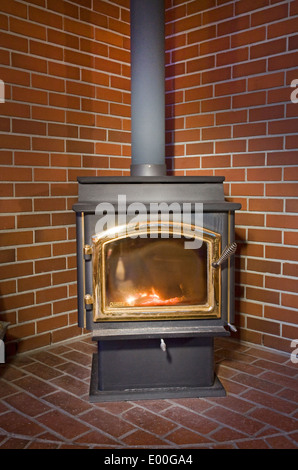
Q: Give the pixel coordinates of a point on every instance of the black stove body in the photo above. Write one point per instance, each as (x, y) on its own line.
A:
(160, 347)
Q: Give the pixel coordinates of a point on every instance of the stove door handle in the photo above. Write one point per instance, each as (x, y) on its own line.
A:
(227, 252)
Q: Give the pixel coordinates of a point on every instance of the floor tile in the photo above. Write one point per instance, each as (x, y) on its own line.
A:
(112, 425)
(149, 421)
(190, 420)
(97, 438)
(48, 358)
(183, 436)
(6, 389)
(35, 386)
(277, 420)
(14, 443)
(281, 442)
(194, 404)
(27, 404)
(10, 373)
(234, 420)
(257, 382)
(269, 401)
(77, 357)
(143, 439)
(116, 408)
(288, 394)
(76, 370)
(13, 422)
(224, 434)
(234, 403)
(266, 354)
(283, 381)
(253, 444)
(42, 371)
(276, 367)
(42, 445)
(62, 424)
(71, 384)
(3, 407)
(67, 402)
(241, 366)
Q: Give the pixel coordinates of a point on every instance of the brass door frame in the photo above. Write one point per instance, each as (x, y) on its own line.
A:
(212, 309)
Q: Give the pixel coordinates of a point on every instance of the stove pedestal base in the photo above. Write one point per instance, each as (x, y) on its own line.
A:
(100, 396)
(140, 370)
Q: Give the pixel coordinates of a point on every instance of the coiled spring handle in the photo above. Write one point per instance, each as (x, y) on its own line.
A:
(227, 252)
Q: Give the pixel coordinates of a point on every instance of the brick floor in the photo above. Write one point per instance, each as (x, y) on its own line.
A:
(44, 405)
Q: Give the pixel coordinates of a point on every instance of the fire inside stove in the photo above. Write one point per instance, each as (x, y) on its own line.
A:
(153, 298)
(140, 278)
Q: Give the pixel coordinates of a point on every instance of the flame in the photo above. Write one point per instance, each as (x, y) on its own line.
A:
(152, 298)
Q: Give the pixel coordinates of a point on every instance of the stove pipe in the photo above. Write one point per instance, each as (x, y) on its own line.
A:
(147, 87)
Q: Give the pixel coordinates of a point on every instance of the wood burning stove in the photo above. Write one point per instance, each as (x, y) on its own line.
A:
(155, 281)
(155, 291)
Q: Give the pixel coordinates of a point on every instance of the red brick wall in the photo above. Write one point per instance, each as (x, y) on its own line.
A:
(65, 65)
(229, 112)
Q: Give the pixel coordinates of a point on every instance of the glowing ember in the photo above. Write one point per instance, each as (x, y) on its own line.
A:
(144, 298)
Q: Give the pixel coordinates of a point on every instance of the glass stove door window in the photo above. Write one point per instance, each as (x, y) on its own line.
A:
(147, 272)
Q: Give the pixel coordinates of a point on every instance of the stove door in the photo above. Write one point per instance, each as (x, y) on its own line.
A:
(155, 274)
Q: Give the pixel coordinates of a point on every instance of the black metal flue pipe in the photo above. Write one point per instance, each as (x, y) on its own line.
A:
(147, 87)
